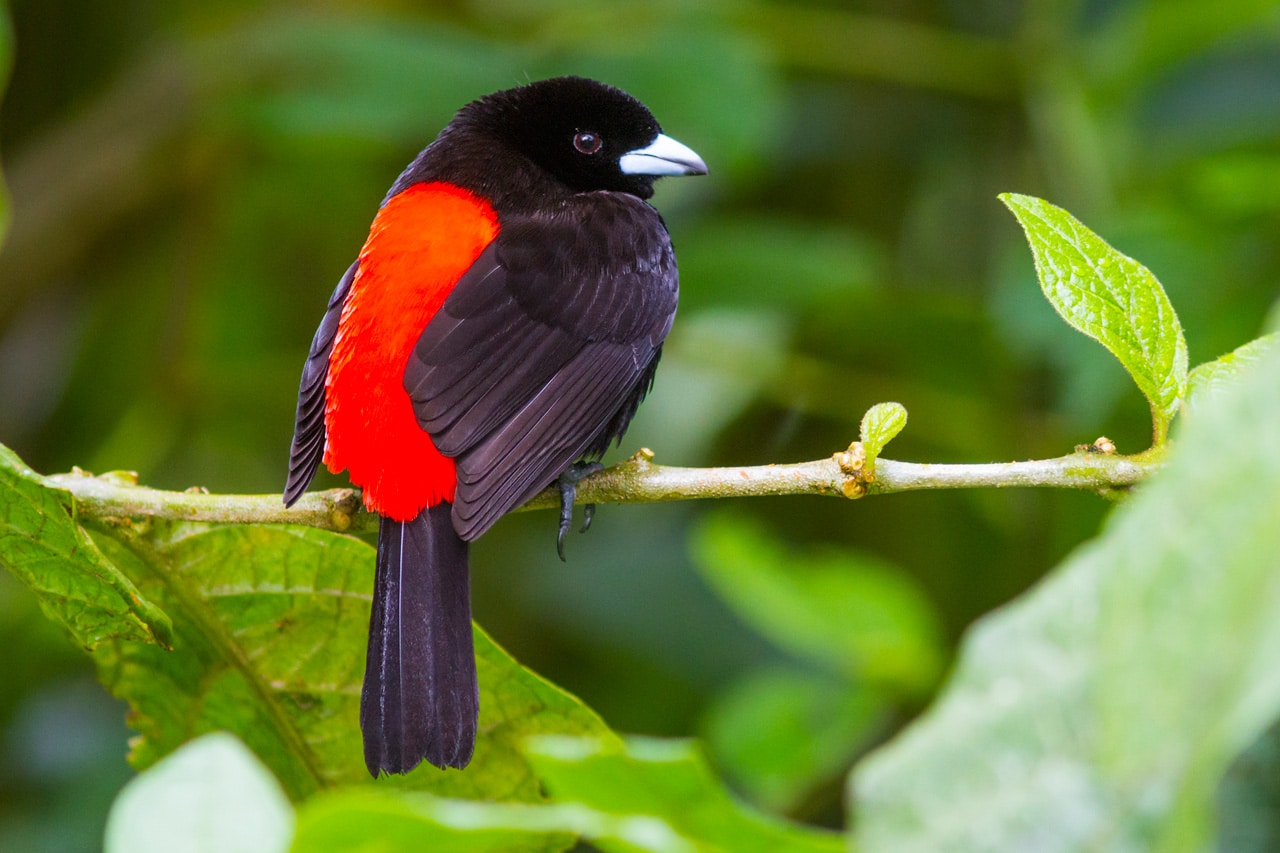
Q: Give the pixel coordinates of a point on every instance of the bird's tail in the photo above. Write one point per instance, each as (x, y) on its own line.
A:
(420, 697)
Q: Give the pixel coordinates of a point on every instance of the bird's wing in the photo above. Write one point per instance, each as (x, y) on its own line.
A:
(308, 428)
(542, 350)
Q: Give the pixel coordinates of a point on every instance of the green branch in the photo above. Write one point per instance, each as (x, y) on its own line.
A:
(637, 480)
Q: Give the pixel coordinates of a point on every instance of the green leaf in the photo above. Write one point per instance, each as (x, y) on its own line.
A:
(646, 795)
(270, 625)
(662, 794)
(1111, 298)
(364, 819)
(859, 616)
(780, 734)
(1101, 710)
(212, 795)
(1212, 377)
(43, 547)
(880, 425)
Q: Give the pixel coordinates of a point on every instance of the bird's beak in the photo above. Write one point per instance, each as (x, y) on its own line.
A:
(663, 156)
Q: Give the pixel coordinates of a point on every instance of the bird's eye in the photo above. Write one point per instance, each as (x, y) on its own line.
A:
(587, 142)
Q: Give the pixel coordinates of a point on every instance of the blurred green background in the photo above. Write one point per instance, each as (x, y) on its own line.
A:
(189, 179)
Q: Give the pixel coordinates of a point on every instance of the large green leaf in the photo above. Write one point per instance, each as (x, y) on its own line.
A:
(270, 627)
(670, 782)
(1111, 298)
(1100, 711)
(75, 584)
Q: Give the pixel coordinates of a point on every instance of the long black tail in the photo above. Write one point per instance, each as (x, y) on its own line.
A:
(420, 696)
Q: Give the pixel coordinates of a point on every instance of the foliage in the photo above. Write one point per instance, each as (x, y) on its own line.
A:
(56, 559)
(270, 627)
(189, 179)
(870, 642)
(879, 426)
(1111, 298)
(847, 613)
(1103, 708)
(646, 796)
(1213, 376)
(1072, 717)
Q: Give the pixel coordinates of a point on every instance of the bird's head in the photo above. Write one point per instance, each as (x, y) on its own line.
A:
(587, 135)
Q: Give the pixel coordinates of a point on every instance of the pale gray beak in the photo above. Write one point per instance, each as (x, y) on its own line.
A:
(663, 156)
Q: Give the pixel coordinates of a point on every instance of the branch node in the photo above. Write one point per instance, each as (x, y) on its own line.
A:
(1101, 444)
(853, 463)
(854, 488)
(852, 459)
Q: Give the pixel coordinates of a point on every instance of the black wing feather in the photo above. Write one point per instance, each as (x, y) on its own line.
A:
(560, 425)
(308, 428)
(544, 348)
(457, 400)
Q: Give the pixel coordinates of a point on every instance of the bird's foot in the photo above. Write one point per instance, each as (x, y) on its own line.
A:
(568, 483)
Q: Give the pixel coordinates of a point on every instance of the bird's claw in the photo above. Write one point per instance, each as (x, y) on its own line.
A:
(568, 483)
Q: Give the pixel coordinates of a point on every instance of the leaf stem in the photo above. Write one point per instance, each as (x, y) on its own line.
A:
(1159, 427)
(636, 480)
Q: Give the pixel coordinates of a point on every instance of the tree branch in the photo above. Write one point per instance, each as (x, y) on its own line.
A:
(117, 495)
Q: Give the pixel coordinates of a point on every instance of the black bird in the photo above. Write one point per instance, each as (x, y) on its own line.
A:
(497, 331)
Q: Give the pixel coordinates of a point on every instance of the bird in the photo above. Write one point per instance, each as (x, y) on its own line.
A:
(497, 331)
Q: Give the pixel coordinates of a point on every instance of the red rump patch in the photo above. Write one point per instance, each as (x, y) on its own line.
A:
(420, 244)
